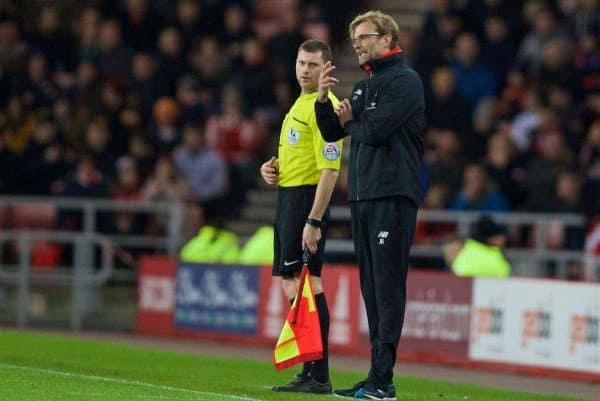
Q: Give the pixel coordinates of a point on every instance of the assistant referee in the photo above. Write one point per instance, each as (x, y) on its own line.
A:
(305, 171)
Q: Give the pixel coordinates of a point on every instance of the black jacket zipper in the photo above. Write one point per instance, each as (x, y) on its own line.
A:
(359, 144)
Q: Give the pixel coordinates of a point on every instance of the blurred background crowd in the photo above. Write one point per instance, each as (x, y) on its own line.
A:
(513, 107)
(182, 100)
(152, 100)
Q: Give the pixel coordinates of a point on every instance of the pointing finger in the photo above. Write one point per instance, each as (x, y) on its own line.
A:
(327, 69)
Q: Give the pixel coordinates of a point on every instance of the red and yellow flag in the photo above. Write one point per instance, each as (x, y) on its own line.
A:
(300, 338)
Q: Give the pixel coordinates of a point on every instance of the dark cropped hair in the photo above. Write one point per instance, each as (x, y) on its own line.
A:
(314, 46)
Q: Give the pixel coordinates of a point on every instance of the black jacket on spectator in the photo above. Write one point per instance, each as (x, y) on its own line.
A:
(499, 57)
(452, 113)
(7, 175)
(149, 90)
(140, 31)
(171, 69)
(387, 131)
(56, 48)
(37, 173)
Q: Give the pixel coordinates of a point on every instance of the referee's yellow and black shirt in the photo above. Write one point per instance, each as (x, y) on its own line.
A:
(303, 152)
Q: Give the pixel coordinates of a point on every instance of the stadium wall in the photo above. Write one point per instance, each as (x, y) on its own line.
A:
(512, 325)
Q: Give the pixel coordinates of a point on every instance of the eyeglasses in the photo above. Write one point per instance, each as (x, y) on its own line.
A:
(363, 36)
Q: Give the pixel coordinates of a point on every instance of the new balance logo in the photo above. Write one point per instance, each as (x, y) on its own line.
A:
(382, 236)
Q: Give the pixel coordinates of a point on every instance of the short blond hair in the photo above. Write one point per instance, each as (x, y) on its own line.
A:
(384, 23)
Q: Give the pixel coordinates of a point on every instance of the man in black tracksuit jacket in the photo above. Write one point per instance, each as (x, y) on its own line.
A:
(385, 118)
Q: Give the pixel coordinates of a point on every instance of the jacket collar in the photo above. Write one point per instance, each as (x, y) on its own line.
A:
(392, 57)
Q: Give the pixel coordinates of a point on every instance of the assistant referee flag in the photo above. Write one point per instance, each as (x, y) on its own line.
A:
(300, 338)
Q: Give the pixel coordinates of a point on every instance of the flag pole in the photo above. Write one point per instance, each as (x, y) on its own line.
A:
(305, 261)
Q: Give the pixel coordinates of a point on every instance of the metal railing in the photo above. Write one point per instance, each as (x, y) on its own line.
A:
(82, 277)
(527, 261)
(91, 208)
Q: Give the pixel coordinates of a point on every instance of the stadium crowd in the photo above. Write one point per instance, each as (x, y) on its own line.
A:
(180, 100)
(513, 108)
(133, 99)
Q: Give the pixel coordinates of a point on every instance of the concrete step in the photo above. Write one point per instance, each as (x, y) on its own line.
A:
(261, 184)
(263, 197)
(407, 13)
(343, 90)
(348, 62)
(243, 229)
(344, 56)
(349, 74)
(258, 213)
(347, 82)
(399, 5)
(412, 21)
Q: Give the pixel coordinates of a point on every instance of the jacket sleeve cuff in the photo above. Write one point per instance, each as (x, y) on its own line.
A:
(324, 106)
(348, 125)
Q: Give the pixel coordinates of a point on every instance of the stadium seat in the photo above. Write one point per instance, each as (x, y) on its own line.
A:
(45, 255)
(33, 215)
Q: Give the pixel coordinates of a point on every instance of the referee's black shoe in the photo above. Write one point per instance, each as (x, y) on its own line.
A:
(293, 385)
(305, 384)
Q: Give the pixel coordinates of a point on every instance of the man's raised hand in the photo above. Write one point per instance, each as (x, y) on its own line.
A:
(344, 112)
(326, 82)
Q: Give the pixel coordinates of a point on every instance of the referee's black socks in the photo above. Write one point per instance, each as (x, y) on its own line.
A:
(320, 368)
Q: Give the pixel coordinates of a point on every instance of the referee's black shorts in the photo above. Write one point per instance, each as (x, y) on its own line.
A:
(293, 207)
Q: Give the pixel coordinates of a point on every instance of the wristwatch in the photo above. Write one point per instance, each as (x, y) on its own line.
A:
(314, 222)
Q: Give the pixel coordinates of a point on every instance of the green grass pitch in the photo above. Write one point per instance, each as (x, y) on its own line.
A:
(35, 367)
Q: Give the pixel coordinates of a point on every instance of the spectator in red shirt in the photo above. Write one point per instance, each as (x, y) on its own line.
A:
(235, 137)
(128, 185)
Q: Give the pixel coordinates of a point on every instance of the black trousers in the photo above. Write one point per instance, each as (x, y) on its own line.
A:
(383, 230)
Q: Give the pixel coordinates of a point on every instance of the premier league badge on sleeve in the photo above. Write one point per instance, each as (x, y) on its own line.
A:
(293, 136)
(331, 151)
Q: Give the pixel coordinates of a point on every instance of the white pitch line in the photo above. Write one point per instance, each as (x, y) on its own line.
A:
(125, 381)
(81, 395)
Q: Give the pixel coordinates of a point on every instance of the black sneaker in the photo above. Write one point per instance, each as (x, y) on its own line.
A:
(354, 392)
(293, 385)
(389, 394)
(365, 391)
(314, 387)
